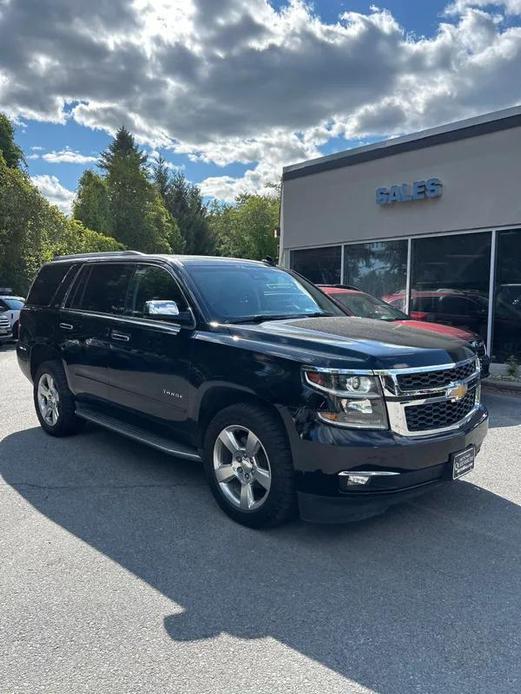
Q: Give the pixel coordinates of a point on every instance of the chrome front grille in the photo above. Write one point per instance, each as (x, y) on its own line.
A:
(4, 324)
(435, 379)
(439, 415)
(431, 400)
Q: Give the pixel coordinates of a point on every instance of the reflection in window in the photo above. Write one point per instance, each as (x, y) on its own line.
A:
(450, 280)
(378, 268)
(319, 265)
(507, 306)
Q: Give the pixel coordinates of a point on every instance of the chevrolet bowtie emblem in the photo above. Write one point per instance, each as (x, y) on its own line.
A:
(457, 392)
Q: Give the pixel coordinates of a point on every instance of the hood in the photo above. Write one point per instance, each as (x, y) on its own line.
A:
(348, 342)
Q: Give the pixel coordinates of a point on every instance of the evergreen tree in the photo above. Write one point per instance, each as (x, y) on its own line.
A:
(161, 177)
(92, 205)
(13, 155)
(123, 145)
(139, 219)
(184, 202)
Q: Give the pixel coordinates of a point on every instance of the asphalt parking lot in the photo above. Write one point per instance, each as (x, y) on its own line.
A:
(119, 574)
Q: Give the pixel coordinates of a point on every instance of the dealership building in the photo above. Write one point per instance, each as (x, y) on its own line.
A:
(430, 222)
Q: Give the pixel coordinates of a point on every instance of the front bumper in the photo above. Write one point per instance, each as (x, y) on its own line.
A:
(6, 336)
(322, 452)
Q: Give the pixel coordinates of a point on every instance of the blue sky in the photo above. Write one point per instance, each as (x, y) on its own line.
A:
(232, 91)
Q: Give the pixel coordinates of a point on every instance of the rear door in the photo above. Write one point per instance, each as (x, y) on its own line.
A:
(97, 298)
(150, 357)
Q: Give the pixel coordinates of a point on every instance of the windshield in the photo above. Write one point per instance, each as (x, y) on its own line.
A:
(13, 304)
(367, 306)
(240, 293)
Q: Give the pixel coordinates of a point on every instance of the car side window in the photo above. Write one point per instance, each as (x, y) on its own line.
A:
(103, 289)
(149, 283)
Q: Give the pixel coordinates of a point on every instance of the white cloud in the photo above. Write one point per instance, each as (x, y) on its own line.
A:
(52, 189)
(68, 156)
(509, 6)
(241, 81)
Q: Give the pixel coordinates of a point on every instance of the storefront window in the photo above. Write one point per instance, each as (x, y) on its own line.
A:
(507, 305)
(319, 265)
(450, 280)
(378, 268)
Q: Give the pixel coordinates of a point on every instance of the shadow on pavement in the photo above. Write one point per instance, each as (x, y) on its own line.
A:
(424, 599)
(504, 409)
(8, 347)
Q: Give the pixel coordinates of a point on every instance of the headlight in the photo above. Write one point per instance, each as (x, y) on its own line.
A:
(352, 400)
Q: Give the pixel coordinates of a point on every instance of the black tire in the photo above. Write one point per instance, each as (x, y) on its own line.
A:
(279, 504)
(16, 330)
(67, 422)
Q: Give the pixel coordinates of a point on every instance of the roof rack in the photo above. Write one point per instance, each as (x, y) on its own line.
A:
(100, 254)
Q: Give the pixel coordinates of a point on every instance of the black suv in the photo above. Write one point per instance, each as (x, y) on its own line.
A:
(289, 403)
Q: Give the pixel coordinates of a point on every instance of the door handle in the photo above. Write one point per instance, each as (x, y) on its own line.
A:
(122, 337)
(66, 326)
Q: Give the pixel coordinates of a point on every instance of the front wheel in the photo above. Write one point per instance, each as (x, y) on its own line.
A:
(53, 401)
(248, 464)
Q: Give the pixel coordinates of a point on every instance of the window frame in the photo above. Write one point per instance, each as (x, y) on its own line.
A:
(129, 299)
(85, 268)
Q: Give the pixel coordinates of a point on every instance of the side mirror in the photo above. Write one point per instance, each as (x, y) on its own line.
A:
(165, 309)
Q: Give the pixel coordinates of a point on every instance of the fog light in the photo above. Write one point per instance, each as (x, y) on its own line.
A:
(356, 480)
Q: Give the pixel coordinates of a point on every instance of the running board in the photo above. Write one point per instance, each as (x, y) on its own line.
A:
(161, 443)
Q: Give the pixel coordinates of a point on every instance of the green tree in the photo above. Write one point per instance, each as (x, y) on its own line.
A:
(161, 177)
(139, 219)
(13, 155)
(92, 204)
(32, 231)
(162, 232)
(184, 202)
(123, 145)
(246, 229)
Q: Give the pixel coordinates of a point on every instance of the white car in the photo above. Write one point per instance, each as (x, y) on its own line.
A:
(10, 307)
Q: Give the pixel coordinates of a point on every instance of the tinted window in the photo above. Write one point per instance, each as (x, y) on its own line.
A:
(378, 268)
(235, 291)
(507, 310)
(319, 265)
(46, 283)
(456, 268)
(150, 283)
(105, 290)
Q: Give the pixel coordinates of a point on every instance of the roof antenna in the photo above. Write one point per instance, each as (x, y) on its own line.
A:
(269, 261)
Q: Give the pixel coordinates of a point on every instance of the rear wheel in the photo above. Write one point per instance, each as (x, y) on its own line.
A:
(249, 467)
(54, 402)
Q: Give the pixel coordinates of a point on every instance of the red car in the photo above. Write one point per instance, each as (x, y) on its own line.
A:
(358, 303)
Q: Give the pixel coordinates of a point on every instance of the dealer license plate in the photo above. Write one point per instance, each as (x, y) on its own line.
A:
(463, 462)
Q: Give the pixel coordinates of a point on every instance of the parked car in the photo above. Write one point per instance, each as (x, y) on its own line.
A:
(289, 403)
(10, 307)
(6, 333)
(359, 303)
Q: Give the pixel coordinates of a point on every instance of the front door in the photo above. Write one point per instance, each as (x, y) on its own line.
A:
(150, 358)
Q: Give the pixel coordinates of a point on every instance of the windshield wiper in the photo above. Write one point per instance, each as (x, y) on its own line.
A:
(261, 317)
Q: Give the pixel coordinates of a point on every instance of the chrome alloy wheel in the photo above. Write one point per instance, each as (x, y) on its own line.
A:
(242, 468)
(48, 399)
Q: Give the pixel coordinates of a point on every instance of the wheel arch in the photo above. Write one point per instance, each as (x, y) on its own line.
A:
(41, 353)
(217, 397)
